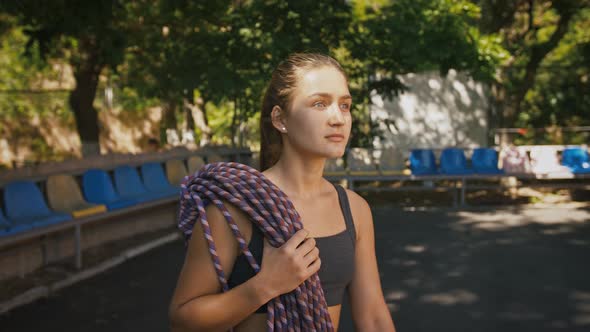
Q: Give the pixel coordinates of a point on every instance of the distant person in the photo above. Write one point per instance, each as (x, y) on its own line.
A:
(305, 120)
(514, 159)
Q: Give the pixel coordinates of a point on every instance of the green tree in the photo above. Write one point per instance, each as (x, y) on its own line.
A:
(175, 44)
(89, 36)
(391, 38)
(530, 30)
(24, 98)
(559, 96)
(225, 51)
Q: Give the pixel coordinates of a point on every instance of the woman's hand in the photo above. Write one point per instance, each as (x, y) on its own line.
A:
(285, 268)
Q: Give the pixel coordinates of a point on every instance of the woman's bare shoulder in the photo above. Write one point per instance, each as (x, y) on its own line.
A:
(356, 199)
(198, 275)
(361, 211)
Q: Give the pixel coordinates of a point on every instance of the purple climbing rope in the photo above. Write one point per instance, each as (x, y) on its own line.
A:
(303, 309)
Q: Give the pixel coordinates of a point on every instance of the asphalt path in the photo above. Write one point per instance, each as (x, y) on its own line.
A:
(490, 269)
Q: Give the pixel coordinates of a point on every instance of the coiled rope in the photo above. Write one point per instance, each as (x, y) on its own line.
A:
(303, 309)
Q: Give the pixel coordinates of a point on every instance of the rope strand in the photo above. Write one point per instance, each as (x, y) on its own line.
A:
(269, 208)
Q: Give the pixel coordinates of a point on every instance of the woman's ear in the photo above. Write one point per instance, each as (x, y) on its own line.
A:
(278, 119)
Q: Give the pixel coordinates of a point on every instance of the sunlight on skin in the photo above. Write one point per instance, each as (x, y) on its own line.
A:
(321, 106)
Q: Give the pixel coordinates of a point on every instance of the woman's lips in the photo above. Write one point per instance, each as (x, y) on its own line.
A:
(335, 138)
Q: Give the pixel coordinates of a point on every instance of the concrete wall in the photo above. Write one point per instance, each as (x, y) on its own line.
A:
(436, 112)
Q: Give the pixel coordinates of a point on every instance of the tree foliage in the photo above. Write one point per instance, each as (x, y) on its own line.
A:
(533, 32)
(534, 52)
(560, 93)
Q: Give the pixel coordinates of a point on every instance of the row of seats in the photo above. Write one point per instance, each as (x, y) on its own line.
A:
(542, 160)
(453, 162)
(577, 159)
(25, 206)
(546, 160)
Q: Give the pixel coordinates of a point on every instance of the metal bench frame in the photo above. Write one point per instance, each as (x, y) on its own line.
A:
(460, 183)
(76, 225)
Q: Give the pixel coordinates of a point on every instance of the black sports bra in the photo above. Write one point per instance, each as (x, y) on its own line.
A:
(336, 252)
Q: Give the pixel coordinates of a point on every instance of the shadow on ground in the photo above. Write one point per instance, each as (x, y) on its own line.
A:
(488, 269)
(509, 269)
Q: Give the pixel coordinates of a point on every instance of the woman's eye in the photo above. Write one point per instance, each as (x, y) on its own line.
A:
(319, 104)
(345, 106)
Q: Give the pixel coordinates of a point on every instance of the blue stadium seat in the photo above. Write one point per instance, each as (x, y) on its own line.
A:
(155, 180)
(7, 228)
(129, 185)
(577, 159)
(98, 188)
(25, 205)
(452, 161)
(422, 162)
(485, 161)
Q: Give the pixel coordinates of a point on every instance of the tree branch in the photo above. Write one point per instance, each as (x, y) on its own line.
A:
(537, 54)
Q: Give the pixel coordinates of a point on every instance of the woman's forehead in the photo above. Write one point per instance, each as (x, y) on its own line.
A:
(323, 80)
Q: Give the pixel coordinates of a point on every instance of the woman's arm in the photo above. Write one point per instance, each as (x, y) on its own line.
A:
(369, 310)
(199, 305)
(219, 312)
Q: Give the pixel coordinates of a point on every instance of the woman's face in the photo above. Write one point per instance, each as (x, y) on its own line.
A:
(319, 121)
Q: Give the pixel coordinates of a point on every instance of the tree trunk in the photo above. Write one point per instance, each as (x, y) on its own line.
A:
(537, 54)
(243, 122)
(189, 117)
(233, 123)
(199, 120)
(81, 99)
(207, 134)
(168, 120)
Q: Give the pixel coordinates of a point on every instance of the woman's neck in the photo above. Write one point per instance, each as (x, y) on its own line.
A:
(298, 177)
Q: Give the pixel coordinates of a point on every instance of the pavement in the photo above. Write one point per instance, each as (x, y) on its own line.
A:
(482, 269)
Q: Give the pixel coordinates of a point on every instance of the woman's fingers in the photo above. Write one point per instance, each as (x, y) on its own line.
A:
(311, 256)
(306, 247)
(295, 240)
(315, 266)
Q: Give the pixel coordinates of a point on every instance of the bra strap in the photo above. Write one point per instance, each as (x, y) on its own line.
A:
(345, 207)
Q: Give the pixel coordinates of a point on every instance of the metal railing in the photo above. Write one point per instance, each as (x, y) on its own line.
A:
(458, 185)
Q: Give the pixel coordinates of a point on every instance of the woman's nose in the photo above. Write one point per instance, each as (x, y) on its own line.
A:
(336, 117)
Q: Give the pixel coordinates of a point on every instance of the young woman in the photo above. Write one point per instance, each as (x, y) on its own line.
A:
(305, 120)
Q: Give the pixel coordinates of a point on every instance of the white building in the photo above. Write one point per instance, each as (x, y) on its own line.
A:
(435, 112)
